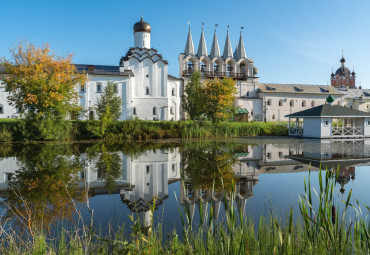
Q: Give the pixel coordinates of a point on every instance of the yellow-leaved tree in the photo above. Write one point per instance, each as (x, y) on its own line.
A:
(42, 87)
(218, 98)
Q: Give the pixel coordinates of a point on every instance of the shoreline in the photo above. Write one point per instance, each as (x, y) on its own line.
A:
(140, 130)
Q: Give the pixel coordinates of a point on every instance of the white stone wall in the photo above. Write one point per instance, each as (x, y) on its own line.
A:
(8, 111)
(274, 112)
(312, 127)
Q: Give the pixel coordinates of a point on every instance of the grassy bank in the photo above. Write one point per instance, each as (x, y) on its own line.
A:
(323, 228)
(144, 130)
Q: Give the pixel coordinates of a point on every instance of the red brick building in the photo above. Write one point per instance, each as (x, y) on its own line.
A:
(343, 78)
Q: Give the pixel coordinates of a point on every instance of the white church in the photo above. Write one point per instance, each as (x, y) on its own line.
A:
(141, 80)
(148, 92)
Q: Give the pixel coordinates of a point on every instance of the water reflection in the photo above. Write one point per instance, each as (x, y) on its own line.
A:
(42, 181)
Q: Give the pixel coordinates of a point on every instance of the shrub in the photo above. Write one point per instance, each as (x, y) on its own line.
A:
(5, 134)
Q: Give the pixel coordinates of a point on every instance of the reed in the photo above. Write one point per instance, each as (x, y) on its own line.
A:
(144, 130)
(323, 228)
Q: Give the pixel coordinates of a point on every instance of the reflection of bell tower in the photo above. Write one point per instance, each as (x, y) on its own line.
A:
(345, 175)
(200, 197)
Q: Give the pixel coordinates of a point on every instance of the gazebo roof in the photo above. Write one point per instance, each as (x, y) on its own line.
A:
(329, 111)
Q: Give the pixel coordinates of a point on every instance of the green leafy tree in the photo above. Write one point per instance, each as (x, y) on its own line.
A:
(108, 109)
(219, 96)
(42, 86)
(193, 102)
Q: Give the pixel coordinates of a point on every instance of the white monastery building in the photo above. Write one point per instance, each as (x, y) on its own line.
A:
(141, 80)
(148, 92)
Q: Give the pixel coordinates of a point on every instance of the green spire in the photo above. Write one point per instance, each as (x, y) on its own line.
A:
(330, 99)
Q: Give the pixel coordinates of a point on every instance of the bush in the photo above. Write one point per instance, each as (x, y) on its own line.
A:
(5, 134)
(44, 129)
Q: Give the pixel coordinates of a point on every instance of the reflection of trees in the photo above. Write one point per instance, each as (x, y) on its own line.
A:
(205, 164)
(108, 164)
(43, 186)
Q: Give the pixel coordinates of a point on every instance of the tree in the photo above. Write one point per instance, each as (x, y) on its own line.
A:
(219, 96)
(108, 109)
(193, 102)
(42, 86)
(109, 103)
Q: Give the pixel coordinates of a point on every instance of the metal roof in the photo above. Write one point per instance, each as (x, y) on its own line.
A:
(357, 93)
(298, 89)
(102, 70)
(329, 111)
(241, 111)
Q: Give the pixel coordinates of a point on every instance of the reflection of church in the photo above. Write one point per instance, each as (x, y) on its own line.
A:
(150, 175)
(147, 176)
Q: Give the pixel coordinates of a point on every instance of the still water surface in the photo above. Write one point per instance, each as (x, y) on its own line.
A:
(50, 182)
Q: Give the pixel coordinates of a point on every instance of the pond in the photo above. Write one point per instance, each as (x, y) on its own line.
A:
(111, 185)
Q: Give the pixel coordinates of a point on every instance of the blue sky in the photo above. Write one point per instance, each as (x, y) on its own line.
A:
(290, 41)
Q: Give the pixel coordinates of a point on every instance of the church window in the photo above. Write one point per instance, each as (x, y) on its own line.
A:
(367, 106)
(98, 87)
(115, 88)
(147, 169)
(147, 91)
(247, 93)
(134, 111)
(216, 67)
(154, 110)
(304, 103)
(280, 102)
(268, 155)
(173, 92)
(242, 68)
(291, 103)
(190, 65)
(313, 103)
(82, 88)
(171, 110)
(9, 176)
(273, 116)
(1, 109)
(173, 167)
(269, 102)
(252, 112)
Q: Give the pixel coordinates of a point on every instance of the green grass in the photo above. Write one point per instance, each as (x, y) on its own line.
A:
(321, 229)
(144, 130)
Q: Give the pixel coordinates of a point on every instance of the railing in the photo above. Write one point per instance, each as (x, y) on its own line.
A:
(217, 74)
(343, 131)
(296, 129)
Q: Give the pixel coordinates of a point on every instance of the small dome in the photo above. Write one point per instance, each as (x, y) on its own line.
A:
(343, 71)
(142, 26)
(330, 99)
(332, 74)
(342, 60)
(353, 73)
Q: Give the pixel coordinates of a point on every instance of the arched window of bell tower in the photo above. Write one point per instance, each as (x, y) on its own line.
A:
(203, 66)
(216, 66)
(229, 69)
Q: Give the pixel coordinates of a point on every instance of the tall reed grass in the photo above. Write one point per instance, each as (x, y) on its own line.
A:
(144, 130)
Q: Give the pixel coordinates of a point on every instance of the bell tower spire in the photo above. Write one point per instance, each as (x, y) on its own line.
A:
(215, 50)
(189, 47)
(228, 51)
(202, 48)
(241, 50)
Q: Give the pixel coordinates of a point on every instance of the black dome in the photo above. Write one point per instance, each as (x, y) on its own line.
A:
(343, 71)
(142, 26)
